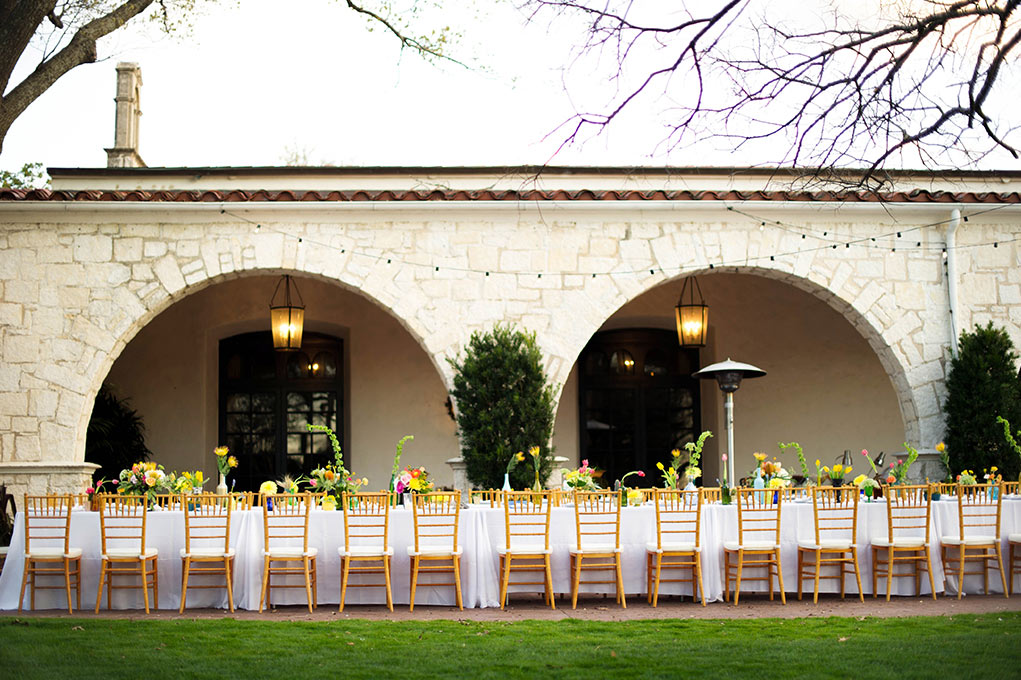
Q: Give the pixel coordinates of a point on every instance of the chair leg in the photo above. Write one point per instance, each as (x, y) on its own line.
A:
(801, 567)
(264, 596)
(228, 572)
(24, 583)
(740, 567)
(185, 572)
(67, 584)
(386, 576)
(308, 581)
(457, 581)
(345, 565)
(505, 561)
(928, 567)
(102, 579)
(620, 582)
(414, 581)
(698, 569)
(960, 571)
(857, 573)
(889, 572)
(648, 577)
(779, 577)
(145, 583)
(818, 567)
(549, 582)
(875, 573)
(726, 575)
(576, 579)
(659, 576)
(1003, 576)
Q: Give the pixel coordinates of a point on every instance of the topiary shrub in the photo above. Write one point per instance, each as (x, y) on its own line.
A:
(981, 385)
(115, 438)
(504, 405)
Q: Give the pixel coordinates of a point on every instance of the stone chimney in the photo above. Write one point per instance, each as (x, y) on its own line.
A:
(124, 153)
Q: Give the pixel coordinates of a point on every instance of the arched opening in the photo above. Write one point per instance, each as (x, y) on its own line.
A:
(382, 384)
(826, 385)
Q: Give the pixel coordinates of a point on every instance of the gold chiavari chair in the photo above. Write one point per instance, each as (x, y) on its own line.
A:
(1010, 488)
(243, 500)
(47, 547)
(366, 548)
(835, 514)
(557, 497)
(712, 494)
(908, 509)
(1013, 540)
(436, 517)
(207, 550)
(164, 501)
(796, 493)
(286, 550)
(597, 540)
(977, 538)
(493, 497)
(677, 544)
(758, 541)
(526, 541)
(122, 526)
(945, 489)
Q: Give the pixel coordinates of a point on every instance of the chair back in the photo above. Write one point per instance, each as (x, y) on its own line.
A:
(436, 515)
(526, 519)
(945, 488)
(557, 497)
(835, 509)
(243, 500)
(1011, 488)
(367, 519)
(206, 522)
(597, 518)
(758, 514)
(908, 508)
(165, 501)
(47, 523)
(978, 510)
(796, 493)
(493, 497)
(712, 494)
(285, 520)
(678, 516)
(122, 522)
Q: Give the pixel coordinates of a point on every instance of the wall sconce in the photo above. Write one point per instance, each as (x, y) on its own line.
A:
(287, 319)
(692, 317)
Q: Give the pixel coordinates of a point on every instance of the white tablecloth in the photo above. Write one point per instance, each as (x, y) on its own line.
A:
(481, 531)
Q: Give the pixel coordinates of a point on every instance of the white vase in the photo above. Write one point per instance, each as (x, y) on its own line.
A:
(506, 482)
(221, 488)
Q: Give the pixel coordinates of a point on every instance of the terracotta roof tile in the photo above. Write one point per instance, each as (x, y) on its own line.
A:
(490, 195)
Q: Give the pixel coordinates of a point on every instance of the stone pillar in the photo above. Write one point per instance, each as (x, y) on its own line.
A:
(38, 478)
(460, 476)
(557, 480)
(124, 153)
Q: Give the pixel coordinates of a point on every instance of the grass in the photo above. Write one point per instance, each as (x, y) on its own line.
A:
(980, 646)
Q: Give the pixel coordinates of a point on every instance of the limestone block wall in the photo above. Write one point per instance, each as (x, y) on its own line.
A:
(78, 281)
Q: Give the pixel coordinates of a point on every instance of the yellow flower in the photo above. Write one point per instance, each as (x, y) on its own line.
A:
(759, 456)
(267, 488)
(941, 447)
(221, 451)
(198, 477)
(848, 470)
(329, 503)
(993, 469)
(671, 471)
(838, 468)
(858, 479)
(817, 462)
(660, 466)
(232, 462)
(676, 453)
(520, 456)
(533, 451)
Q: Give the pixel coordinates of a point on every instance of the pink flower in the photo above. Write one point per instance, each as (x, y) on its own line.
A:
(865, 452)
(312, 482)
(584, 463)
(115, 481)
(641, 473)
(724, 458)
(90, 491)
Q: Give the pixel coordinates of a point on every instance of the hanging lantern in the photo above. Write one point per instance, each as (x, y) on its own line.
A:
(692, 316)
(287, 319)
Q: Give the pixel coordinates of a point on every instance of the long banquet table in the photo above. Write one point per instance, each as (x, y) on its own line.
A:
(481, 531)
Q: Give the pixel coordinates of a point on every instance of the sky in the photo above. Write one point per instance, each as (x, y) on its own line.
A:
(253, 84)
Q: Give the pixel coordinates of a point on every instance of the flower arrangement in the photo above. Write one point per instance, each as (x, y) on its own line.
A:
(639, 473)
(397, 460)
(267, 488)
(694, 450)
(865, 452)
(224, 463)
(944, 458)
(776, 477)
(533, 451)
(837, 472)
(581, 479)
(967, 477)
(331, 482)
(669, 474)
(288, 485)
(867, 485)
(413, 480)
(819, 469)
(992, 475)
(189, 482)
(514, 460)
(97, 488)
(899, 468)
(801, 455)
(144, 479)
(635, 497)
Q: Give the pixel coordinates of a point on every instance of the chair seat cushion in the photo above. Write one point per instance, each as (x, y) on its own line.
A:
(365, 551)
(206, 553)
(905, 542)
(595, 549)
(130, 554)
(749, 545)
(969, 540)
(433, 551)
(287, 553)
(1014, 538)
(524, 550)
(830, 544)
(672, 547)
(54, 554)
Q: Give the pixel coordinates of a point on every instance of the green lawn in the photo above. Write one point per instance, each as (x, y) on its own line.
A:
(980, 646)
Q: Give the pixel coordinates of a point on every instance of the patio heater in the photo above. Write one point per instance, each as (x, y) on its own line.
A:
(728, 375)
(287, 318)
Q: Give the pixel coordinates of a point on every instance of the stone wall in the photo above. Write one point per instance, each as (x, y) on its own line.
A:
(77, 282)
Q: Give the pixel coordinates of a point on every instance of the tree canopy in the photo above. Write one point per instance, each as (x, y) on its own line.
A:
(838, 85)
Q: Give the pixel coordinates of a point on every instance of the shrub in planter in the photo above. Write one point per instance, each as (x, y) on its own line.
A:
(981, 385)
(115, 438)
(504, 405)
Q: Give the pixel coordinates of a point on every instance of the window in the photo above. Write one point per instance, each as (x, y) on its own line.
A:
(267, 398)
(638, 401)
